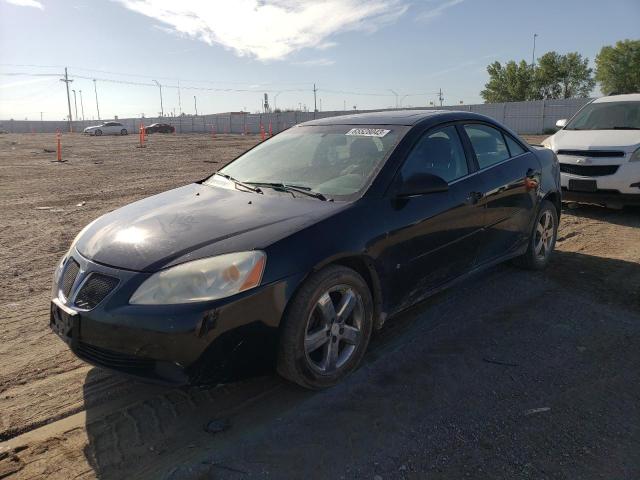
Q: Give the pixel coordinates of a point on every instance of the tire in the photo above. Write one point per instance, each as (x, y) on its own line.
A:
(124, 131)
(318, 346)
(98, 133)
(540, 250)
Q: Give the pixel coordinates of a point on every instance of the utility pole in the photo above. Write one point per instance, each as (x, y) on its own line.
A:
(195, 105)
(161, 107)
(81, 105)
(315, 105)
(66, 81)
(179, 101)
(533, 54)
(440, 97)
(96, 90)
(75, 103)
(344, 105)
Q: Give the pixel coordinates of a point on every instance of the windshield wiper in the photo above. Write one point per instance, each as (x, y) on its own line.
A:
(238, 182)
(291, 188)
(625, 128)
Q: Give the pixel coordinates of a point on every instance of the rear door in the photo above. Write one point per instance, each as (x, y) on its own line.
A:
(511, 175)
(439, 232)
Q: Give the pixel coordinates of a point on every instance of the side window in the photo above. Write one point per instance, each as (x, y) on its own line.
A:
(439, 153)
(514, 147)
(488, 143)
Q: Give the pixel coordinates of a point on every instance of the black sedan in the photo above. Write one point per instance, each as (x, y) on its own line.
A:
(298, 250)
(159, 128)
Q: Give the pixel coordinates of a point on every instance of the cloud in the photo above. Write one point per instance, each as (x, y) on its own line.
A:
(317, 62)
(428, 15)
(26, 3)
(21, 83)
(269, 30)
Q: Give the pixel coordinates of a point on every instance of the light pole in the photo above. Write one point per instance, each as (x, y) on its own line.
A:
(402, 99)
(81, 105)
(95, 89)
(161, 107)
(533, 54)
(195, 105)
(396, 94)
(75, 103)
(275, 100)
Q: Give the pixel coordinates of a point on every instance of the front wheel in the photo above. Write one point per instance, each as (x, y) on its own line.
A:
(326, 329)
(542, 240)
(98, 132)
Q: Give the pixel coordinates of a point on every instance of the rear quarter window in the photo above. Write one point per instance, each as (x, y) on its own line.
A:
(514, 147)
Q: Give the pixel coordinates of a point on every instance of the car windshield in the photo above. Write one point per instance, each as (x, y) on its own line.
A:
(336, 160)
(607, 116)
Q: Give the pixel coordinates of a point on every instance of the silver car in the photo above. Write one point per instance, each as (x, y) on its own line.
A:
(107, 128)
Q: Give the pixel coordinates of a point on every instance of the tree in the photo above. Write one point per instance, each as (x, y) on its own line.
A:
(618, 68)
(562, 76)
(555, 76)
(511, 83)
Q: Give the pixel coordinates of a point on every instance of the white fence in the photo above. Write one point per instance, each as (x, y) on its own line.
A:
(523, 117)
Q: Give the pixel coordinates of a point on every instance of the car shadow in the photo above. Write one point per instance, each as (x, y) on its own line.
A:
(436, 363)
(628, 216)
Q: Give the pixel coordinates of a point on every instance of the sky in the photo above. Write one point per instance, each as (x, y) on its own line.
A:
(227, 53)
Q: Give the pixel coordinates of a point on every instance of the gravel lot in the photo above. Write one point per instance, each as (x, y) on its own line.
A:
(511, 374)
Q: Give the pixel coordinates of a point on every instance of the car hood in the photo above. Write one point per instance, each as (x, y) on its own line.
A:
(92, 127)
(195, 221)
(626, 140)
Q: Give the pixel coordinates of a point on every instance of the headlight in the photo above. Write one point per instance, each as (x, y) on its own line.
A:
(201, 280)
(546, 143)
(635, 156)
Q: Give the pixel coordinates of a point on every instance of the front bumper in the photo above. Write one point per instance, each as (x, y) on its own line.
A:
(601, 197)
(177, 344)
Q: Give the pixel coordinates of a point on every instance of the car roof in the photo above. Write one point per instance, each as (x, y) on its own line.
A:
(629, 97)
(394, 117)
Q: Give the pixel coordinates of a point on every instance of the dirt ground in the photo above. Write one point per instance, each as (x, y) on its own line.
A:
(512, 374)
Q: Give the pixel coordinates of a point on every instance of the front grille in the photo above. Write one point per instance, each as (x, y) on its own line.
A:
(589, 170)
(69, 276)
(592, 153)
(94, 289)
(110, 359)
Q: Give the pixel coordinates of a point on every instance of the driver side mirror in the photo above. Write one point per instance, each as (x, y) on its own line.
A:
(422, 183)
(561, 123)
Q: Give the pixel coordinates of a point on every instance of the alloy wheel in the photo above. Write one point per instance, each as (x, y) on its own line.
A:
(544, 236)
(334, 329)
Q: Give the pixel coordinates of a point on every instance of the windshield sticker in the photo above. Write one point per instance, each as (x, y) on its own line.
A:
(368, 132)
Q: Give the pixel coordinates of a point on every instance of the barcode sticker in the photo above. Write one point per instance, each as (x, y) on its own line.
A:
(368, 132)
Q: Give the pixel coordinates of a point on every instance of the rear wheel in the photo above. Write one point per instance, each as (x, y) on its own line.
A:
(542, 240)
(326, 329)
(123, 131)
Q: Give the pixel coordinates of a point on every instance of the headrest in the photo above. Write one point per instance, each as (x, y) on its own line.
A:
(363, 148)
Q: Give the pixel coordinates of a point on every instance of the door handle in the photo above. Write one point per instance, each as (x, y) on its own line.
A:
(474, 197)
(531, 179)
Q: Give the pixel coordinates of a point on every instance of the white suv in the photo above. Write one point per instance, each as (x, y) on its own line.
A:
(599, 152)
